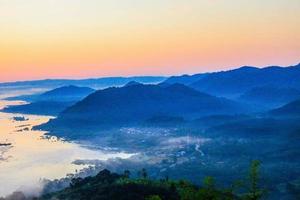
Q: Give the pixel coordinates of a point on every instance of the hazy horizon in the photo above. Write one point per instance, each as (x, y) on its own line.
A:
(138, 75)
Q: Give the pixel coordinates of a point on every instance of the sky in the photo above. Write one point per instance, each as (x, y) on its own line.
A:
(94, 38)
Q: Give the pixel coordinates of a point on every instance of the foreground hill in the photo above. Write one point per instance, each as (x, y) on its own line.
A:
(109, 186)
(137, 103)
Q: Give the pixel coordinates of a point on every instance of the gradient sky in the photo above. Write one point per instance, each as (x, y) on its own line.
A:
(92, 38)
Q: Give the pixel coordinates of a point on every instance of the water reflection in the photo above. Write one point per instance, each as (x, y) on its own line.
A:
(31, 156)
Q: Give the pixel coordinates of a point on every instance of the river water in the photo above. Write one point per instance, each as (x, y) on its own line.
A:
(28, 156)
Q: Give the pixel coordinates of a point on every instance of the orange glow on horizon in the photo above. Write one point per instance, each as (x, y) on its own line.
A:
(77, 40)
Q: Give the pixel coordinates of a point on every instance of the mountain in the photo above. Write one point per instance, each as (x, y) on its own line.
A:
(98, 83)
(270, 97)
(235, 82)
(28, 97)
(66, 93)
(132, 83)
(291, 109)
(51, 108)
(185, 79)
(112, 186)
(109, 186)
(51, 102)
(139, 103)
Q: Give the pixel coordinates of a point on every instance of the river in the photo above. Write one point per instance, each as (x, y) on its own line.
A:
(28, 156)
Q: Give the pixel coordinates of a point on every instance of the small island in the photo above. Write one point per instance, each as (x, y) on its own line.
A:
(5, 144)
(19, 118)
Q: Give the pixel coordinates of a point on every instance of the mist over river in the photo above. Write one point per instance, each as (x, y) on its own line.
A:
(27, 157)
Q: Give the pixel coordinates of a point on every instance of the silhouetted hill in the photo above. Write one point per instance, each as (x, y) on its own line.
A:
(164, 84)
(28, 98)
(138, 103)
(97, 83)
(291, 109)
(108, 186)
(51, 102)
(65, 93)
(185, 79)
(269, 96)
(132, 83)
(237, 81)
(112, 186)
(52, 108)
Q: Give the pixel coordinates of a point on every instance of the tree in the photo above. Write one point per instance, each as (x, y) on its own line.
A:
(76, 182)
(209, 183)
(143, 173)
(254, 191)
(153, 197)
(127, 174)
(208, 191)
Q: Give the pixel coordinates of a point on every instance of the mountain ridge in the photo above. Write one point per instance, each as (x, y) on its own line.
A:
(291, 109)
(51, 102)
(224, 83)
(138, 103)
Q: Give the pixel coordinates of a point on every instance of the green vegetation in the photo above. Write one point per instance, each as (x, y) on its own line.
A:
(106, 186)
(255, 192)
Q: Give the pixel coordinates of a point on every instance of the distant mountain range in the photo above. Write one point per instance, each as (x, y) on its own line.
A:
(291, 109)
(96, 83)
(137, 103)
(234, 83)
(185, 79)
(51, 108)
(51, 102)
(270, 96)
(65, 93)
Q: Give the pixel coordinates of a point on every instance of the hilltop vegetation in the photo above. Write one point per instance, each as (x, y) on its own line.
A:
(107, 186)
